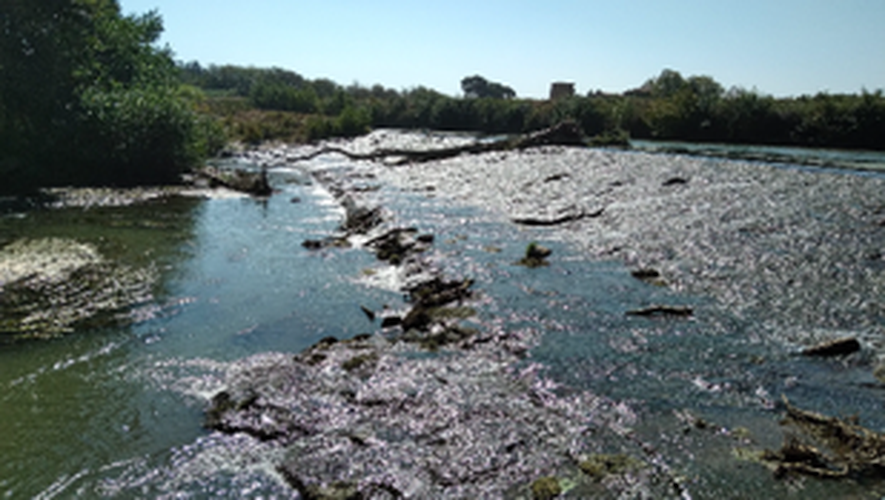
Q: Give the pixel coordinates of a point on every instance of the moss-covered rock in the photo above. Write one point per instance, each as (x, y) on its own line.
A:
(827, 447)
(546, 488)
(360, 361)
(600, 465)
(223, 403)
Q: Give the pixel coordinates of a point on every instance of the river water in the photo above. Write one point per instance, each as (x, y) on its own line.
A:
(115, 408)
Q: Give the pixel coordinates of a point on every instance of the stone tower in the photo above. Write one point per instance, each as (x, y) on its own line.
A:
(561, 90)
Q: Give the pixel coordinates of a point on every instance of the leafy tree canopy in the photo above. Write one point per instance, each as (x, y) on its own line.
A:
(86, 97)
(478, 87)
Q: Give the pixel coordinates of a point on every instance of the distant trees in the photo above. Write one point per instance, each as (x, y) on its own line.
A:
(699, 109)
(667, 106)
(85, 98)
(269, 95)
(478, 87)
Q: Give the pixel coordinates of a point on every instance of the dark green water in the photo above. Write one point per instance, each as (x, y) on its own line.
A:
(117, 410)
(234, 281)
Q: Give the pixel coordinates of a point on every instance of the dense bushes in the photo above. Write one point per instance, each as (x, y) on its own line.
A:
(284, 98)
(697, 109)
(351, 122)
(85, 98)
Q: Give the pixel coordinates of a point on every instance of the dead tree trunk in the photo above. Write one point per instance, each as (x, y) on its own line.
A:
(566, 133)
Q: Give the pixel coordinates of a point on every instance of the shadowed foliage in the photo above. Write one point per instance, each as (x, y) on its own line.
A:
(86, 98)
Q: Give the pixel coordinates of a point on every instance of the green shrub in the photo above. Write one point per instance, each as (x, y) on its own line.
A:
(352, 122)
(93, 100)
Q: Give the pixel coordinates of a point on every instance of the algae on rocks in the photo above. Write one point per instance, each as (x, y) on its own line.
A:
(546, 488)
(600, 465)
(848, 447)
(48, 285)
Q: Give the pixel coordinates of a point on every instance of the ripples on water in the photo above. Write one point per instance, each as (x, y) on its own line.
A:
(116, 411)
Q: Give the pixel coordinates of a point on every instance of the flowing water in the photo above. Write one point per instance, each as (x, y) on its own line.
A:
(114, 400)
(115, 407)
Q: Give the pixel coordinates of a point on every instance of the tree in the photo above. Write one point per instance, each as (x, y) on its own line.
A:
(478, 87)
(667, 84)
(87, 98)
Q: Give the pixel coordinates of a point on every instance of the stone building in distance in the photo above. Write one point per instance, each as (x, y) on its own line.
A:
(561, 90)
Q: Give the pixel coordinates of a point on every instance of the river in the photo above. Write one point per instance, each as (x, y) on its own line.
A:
(115, 407)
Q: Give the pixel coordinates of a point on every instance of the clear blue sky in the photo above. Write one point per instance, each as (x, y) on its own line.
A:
(780, 47)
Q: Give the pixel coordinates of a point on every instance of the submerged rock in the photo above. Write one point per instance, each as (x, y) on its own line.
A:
(437, 291)
(650, 276)
(835, 347)
(850, 447)
(675, 181)
(571, 214)
(359, 219)
(662, 310)
(397, 244)
(328, 242)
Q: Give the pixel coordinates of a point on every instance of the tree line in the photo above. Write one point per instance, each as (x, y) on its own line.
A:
(668, 106)
(87, 97)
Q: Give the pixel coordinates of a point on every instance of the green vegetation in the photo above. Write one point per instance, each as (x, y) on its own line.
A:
(86, 98)
(535, 256)
(546, 488)
(477, 86)
(668, 106)
(598, 466)
(699, 109)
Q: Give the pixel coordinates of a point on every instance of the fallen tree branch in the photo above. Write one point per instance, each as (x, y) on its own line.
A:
(565, 133)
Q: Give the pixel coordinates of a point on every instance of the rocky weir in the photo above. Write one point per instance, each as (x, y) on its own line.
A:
(434, 405)
(429, 406)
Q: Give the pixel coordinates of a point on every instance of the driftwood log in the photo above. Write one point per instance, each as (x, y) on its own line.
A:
(566, 133)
